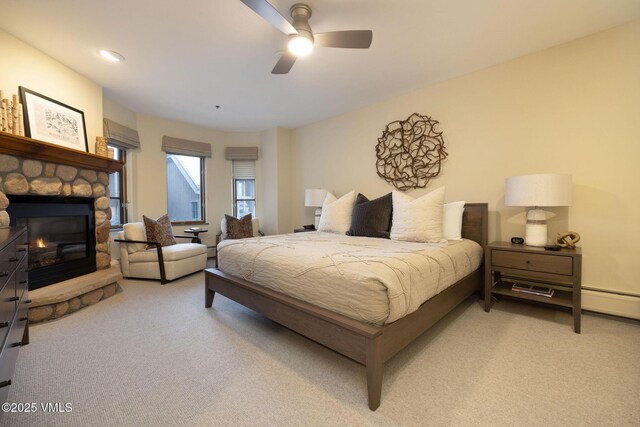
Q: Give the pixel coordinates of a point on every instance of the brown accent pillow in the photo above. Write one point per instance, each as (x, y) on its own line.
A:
(159, 230)
(239, 228)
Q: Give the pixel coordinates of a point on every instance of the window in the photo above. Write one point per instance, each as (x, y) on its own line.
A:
(185, 190)
(244, 188)
(117, 190)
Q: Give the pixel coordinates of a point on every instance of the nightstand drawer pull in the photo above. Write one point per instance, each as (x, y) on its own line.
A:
(5, 383)
(4, 324)
(16, 344)
(14, 299)
(13, 259)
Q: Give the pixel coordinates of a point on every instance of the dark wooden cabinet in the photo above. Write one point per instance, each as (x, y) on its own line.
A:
(14, 302)
(507, 263)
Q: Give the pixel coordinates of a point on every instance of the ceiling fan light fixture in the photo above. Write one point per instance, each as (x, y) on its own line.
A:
(300, 45)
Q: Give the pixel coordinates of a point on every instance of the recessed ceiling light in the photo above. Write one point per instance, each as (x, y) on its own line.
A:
(111, 56)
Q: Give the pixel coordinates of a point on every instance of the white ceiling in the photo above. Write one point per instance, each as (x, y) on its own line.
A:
(185, 57)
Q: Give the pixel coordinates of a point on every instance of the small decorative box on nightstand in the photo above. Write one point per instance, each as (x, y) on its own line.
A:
(303, 230)
(507, 263)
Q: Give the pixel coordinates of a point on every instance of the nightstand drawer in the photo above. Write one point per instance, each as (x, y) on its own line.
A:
(533, 262)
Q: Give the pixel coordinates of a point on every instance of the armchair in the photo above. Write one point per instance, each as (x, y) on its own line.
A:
(160, 263)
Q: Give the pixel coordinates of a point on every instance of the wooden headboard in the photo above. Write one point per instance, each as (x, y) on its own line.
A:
(475, 222)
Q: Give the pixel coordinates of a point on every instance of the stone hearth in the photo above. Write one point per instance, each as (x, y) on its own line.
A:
(64, 298)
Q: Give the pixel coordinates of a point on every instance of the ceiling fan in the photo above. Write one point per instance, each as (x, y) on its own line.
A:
(301, 38)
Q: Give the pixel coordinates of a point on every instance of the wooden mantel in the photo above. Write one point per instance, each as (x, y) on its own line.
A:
(39, 150)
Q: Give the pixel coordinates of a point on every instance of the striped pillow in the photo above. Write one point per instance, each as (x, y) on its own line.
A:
(372, 218)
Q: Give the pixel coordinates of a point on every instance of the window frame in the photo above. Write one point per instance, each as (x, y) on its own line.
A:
(203, 199)
(235, 195)
(123, 189)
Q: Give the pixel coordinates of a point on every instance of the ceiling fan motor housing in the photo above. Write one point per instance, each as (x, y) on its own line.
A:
(301, 13)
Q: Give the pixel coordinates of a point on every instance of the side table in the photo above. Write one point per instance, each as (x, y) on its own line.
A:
(507, 263)
(195, 232)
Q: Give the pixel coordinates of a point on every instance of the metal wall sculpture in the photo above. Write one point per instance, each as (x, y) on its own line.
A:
(409, 152)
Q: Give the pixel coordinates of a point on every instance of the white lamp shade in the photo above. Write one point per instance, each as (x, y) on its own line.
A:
(550, 189)
(314, 197)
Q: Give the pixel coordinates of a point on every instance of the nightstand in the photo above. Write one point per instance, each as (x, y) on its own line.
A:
(507, 263)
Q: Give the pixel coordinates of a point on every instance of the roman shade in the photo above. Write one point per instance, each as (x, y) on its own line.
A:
(120, 135)
(184, 146)
(241, 153)
(244, 169)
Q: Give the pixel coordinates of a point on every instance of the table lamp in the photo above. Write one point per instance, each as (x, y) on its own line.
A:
(314, 198)
(534, 191)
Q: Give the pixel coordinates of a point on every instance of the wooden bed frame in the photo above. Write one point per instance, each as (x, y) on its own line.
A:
(367, 344)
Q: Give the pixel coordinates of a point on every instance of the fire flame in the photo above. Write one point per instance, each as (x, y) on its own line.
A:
(40, 243)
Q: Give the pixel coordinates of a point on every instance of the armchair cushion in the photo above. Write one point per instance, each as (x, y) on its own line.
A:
(170, 253)
(135, 231)
(159, 230)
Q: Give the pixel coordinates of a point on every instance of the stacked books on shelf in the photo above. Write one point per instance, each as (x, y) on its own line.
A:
(532, 290)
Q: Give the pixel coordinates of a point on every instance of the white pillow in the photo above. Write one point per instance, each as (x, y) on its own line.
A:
(418, 220)
(336, 213)
(452, 220)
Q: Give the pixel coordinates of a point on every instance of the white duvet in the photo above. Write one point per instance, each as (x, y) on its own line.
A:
(373, 280)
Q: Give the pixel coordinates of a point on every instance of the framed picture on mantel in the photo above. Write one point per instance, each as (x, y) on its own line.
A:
(51, 121)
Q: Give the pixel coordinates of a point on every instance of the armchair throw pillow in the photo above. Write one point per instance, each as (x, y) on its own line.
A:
(159, 230)
(239, 228)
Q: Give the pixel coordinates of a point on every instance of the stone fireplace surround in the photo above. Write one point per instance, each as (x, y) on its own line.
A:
(32, 173)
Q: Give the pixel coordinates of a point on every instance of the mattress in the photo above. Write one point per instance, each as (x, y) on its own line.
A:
(368, 279)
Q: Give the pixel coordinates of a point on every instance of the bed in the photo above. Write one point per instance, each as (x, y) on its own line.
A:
(369, 337)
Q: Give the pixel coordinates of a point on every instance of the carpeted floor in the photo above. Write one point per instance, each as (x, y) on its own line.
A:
(153, 355)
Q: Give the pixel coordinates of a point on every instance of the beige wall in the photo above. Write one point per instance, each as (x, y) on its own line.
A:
(268, 182)
(574, 108)
(275, 181)
(285, 142)
(118, 113)
(25, 66)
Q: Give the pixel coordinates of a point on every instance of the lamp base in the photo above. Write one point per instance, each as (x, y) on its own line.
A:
(536, 229)
(317, 218)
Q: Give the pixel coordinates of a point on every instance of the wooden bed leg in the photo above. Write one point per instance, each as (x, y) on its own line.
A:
(375, 367)
(208, 296)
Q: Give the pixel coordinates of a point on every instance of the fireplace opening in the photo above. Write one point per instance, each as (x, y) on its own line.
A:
(61, 236)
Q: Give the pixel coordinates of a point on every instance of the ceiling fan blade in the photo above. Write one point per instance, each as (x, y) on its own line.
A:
(284, 64)
(358, 39)
(271, 15)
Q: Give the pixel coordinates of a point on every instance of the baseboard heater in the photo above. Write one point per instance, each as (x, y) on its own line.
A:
(622, 304)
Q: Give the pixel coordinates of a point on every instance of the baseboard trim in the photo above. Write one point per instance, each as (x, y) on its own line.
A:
(611, 303)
